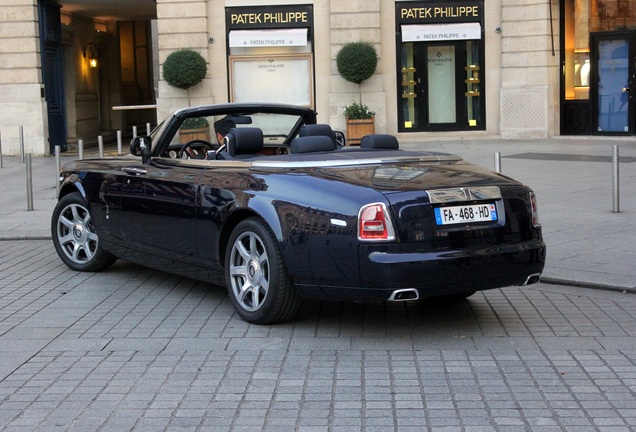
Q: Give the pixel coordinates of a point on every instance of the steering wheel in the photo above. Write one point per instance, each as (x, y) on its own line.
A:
(188, 151)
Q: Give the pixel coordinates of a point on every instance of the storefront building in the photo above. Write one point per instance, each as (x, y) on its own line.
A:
(443, 69)
(465, 69)
(599, 57)
(441, 49)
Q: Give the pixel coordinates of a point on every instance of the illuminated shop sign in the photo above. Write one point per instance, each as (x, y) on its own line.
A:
(269, 17)
(268, 38)
(422, 12)
(440, 32)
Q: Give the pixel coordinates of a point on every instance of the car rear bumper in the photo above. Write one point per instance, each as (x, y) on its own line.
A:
(390, 268)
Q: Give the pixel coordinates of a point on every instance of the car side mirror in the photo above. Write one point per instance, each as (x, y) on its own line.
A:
(140, 146)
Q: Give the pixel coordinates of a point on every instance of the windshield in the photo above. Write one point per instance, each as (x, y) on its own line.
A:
(276, 127)
(156, 132)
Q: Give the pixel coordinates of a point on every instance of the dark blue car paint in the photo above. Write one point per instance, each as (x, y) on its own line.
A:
(179, 215)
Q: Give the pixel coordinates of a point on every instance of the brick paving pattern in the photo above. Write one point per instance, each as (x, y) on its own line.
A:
(136, 349)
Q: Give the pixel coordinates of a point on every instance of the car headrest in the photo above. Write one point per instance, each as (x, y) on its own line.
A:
(310, 144)
(317, 130)
(379, 141)
(247, 140)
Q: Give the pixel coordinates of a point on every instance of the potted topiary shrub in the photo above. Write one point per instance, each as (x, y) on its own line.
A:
(360, 122)
(356, 62)
(184, 69)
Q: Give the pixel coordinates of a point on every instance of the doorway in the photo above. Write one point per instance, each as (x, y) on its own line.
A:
(441, 86)
(613, 55)
(52, 73)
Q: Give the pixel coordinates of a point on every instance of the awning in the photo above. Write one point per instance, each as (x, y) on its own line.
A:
(441, 32)
(268, 38)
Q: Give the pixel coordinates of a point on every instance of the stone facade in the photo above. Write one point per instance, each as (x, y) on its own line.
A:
(21, 101)
(529, 69)
(521, 70)
(185, 24)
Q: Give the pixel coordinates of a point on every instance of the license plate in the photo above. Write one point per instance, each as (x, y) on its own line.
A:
(466, 213)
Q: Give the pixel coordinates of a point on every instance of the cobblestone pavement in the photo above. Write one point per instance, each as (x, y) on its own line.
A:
(136, 349)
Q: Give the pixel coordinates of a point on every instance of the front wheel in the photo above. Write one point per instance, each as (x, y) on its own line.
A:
(74, 236)
(256, 278)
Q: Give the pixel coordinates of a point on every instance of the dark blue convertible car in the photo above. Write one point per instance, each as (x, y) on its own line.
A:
(280, 211)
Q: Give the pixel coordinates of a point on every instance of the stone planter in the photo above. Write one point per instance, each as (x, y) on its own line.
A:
(187, 135)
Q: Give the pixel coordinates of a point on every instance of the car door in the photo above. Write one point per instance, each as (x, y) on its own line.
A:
(158, 205)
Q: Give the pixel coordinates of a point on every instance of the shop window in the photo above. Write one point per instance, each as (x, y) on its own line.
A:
(441, 86)
(271, 54)
(580, 19)
(577, 50)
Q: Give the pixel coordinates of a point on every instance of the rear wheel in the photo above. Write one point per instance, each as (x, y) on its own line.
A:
(256, 278)
(74, 236)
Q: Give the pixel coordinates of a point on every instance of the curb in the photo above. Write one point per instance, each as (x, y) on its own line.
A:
(24, 237)
(589, 285)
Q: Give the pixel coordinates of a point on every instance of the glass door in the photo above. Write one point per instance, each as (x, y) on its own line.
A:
(441, 88)
(613, 82)
(442, 97)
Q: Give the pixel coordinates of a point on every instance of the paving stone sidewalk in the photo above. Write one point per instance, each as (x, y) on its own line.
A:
(136, 349)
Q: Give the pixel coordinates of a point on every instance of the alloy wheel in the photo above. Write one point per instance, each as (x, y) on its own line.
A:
(75, 234)
(249, 271)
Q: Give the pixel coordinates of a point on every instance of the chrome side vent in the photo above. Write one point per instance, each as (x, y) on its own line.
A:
(405, 294)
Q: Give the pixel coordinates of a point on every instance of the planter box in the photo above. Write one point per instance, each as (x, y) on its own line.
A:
(356, 129)
(187, 135)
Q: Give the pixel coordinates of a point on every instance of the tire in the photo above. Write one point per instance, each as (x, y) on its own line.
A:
(256, 278)
(74, 236)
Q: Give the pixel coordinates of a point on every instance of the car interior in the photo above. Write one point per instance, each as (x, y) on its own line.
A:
(262, 135)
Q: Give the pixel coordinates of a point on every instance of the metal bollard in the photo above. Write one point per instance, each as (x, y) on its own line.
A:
(58, 169)
(21, 132)
(119, 142)
(100, 146)
(134, 132)
(80, 149)
(498, 162)
(148, 129)
(29, 183)
(616, 199)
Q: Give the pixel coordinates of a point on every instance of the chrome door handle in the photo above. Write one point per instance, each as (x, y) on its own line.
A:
(134, 171)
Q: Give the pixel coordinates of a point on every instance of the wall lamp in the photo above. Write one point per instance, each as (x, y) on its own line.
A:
(91, 54)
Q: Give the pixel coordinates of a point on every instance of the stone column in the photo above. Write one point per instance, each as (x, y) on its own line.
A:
(184, 24)
(356, 21)
(529, 74)
(21, 98)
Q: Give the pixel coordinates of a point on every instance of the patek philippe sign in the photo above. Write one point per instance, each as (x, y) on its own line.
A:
(268, 38)
(449, 12)
(441, 32)
(269, 17)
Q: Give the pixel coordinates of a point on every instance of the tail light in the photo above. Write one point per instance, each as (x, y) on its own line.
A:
(535, 211)
(374, 223)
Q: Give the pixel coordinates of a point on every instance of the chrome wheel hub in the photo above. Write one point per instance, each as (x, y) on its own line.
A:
(75, 234)
(249, 271)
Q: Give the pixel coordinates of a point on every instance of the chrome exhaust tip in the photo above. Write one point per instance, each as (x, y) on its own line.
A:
(405, 295)
(532, 279)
